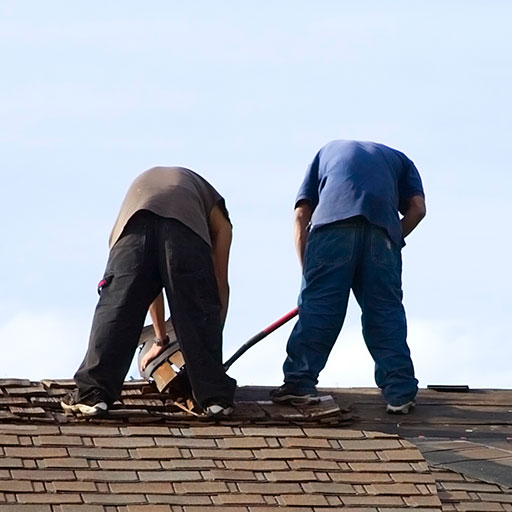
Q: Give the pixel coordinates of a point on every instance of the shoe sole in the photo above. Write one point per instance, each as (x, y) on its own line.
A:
(296, 399)
(85, 410)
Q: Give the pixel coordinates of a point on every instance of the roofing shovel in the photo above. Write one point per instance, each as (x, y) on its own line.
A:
(168, 369)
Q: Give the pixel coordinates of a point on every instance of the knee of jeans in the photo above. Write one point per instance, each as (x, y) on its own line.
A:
(318, 329)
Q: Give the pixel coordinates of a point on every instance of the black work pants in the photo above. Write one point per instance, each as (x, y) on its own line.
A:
(152, 253)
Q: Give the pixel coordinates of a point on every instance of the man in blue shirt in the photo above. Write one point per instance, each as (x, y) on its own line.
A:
(349, 236)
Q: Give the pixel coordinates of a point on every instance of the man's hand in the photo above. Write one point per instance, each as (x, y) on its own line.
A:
(302, 217)
(153, 352)
(221, 234)
(416, 210)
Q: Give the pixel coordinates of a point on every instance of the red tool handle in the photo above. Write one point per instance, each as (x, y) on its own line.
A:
(258, 337)
(281, 321)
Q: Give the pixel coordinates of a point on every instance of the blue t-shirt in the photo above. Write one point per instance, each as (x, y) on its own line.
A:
(349, 178)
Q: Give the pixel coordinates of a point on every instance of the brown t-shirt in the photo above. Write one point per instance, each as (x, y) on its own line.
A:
(173, 192)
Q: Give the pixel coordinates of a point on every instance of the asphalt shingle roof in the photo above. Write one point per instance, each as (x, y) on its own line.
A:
(149, 456)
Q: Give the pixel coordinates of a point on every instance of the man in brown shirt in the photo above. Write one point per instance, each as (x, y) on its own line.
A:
(173, 232)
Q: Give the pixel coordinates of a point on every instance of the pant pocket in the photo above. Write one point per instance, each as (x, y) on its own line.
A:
(127, 255)
(331, 245)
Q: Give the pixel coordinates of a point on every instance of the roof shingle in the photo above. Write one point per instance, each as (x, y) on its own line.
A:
(263, 459)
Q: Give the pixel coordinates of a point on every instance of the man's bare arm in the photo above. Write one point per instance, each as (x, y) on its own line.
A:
(157, 314)
(221, 234)
(416, 210)
(302, 217)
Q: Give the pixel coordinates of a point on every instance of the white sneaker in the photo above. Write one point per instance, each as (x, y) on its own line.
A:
(69, 404)
(400, 409)
(216, 411)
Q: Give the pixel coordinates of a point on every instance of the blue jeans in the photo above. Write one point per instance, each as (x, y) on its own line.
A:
(356, 255)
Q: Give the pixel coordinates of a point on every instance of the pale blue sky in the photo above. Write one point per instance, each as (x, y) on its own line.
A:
(245, 93)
